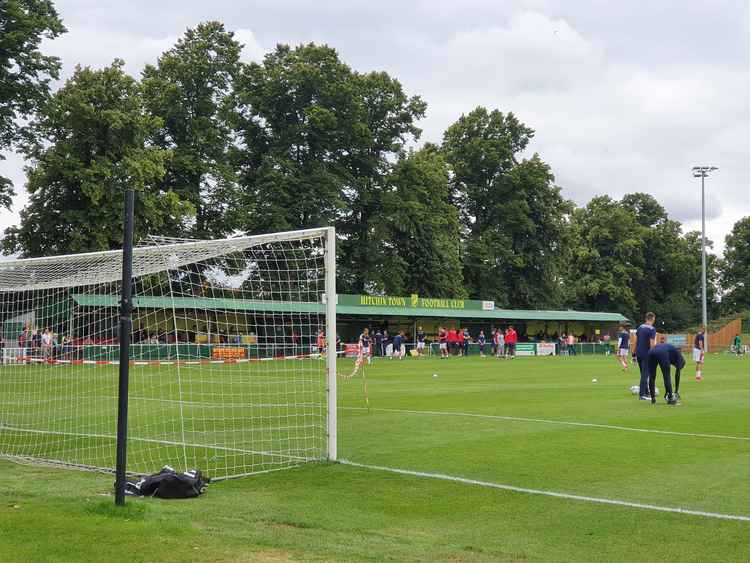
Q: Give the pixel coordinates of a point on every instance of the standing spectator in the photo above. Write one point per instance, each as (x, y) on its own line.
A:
(482, 341)
(500, 343)
(511, 338)
(396, 346)
(738, 345)
(47, 344)
(401, 347)
(22, 339)
(36, 342)
(321, 342)
(379, 350)
(387, 346)
(493, 340)
(571, 344)
(443, 340)
(562, 342)
(452, 341)
(466, 341)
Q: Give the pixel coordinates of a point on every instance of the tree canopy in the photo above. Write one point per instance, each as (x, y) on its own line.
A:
(25, 72)
(216, 146)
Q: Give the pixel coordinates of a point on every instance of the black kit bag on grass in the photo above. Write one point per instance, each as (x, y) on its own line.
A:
(169, 484)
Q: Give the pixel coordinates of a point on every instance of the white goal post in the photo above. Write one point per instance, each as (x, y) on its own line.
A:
(226, 371)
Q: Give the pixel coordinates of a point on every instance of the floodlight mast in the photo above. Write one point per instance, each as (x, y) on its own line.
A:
(702, 172)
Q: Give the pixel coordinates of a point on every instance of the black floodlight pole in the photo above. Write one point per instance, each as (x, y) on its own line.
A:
(126, 309)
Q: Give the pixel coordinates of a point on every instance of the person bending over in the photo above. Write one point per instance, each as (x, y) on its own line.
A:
(664, 356)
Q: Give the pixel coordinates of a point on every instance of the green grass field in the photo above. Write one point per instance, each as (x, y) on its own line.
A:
(534, 423)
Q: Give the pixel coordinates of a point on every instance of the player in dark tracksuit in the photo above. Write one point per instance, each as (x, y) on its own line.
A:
(664, 356)
(645, 338)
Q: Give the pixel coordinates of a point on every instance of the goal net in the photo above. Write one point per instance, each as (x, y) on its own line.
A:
(225, 370)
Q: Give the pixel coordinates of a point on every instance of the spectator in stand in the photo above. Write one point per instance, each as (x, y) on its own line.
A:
(511, 338)
(296, 339)
(481, 340)
(466, 341)
(493, 333)
(386, 344)
(443, 340)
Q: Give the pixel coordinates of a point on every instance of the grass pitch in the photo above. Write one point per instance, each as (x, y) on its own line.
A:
(533, 423)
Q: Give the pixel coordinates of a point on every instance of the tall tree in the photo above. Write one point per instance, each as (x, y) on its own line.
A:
(419, 229)
(607, 258)
(297, 116)
(191, 90)
(514, 218)
(25, 72)
(387, 119)
(91, 144)
(735, 273)
(319, 141)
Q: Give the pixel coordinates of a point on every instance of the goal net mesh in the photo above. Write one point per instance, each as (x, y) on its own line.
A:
(225, 374)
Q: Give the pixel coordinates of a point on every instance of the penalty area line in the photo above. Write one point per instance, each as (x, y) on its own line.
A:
(557, 422)
(541, 492)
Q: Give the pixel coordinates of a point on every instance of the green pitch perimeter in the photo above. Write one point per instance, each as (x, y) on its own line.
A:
(538, 424)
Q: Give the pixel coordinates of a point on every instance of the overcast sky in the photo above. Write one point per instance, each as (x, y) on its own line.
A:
(624, 96)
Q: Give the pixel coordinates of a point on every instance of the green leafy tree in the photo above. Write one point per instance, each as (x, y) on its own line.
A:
(191, 90)
(386, 122)
(419, 229)
(297, 115)
(91, 144)
(318, 143)
(25, 72)
(514, 218)
(735, 274)
(606, 259)
(671, 282)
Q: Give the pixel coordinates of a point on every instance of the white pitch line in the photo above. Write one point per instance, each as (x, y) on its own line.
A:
(557, 422)
(565, 496)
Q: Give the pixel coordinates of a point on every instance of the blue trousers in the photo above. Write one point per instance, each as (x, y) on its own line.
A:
(643, 366)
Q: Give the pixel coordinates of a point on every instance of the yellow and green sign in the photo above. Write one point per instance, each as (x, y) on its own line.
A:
(414, 301)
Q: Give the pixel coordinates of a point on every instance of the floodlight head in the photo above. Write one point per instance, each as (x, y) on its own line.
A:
(702, 171)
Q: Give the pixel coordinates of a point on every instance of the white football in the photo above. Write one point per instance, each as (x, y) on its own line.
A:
(634, 389)
(594, 380)
(434, 375)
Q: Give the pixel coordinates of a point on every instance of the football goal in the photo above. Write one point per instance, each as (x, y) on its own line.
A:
(226, 372)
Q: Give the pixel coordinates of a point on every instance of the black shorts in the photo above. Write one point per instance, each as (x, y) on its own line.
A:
(510, 347)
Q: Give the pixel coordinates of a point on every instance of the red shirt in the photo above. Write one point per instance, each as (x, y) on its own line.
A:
(511, 337)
